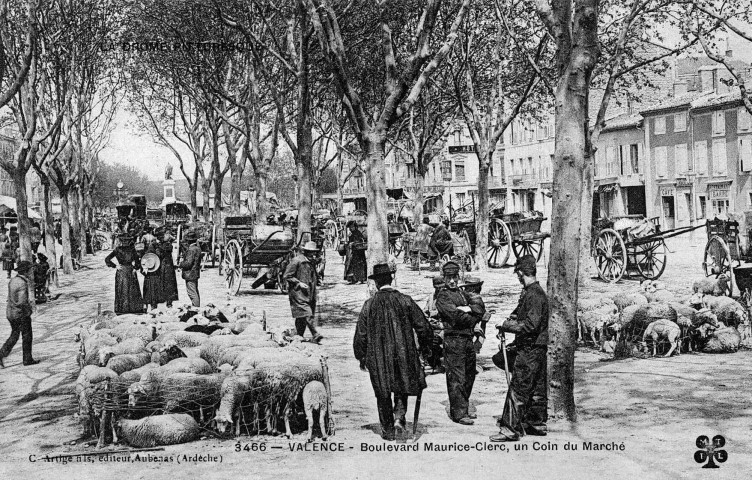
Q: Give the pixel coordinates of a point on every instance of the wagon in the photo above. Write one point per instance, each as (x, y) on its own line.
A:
(724, 256)
(261, 252)
(629, 244)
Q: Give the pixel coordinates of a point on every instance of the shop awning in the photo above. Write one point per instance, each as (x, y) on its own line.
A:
(8, 208)
(396, 193)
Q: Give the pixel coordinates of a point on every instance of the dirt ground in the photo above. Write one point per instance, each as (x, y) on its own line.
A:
(636, 417)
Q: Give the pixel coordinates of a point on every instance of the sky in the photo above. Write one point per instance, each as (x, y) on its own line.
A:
(129, 146)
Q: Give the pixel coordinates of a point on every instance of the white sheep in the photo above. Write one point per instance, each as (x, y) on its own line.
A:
(189, 390)
(315, 398)
(722, 340)
(233, 389)
(183, 339)
(129, 345)
(150, 380)
(147, 333)
(728, 310)
(711, 286)
(90, 344)
(156, 430)
(662, 329)
(128, 361)
(623, 301)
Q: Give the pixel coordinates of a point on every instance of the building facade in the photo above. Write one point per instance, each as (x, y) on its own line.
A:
(34, 192)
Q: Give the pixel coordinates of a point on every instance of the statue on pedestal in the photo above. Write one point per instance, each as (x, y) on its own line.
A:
(168, 172)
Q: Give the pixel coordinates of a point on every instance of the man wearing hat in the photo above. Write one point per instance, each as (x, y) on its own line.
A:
(191, 267)
(302, 279)
(384, 343)
(526, 403)
(459, 313)
(19, 313)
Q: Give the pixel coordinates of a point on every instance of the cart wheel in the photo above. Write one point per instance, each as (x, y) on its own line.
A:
(498, 243)
(651, 259)
(610, 255)
(528, 247)
(233, 267)
(717, 261)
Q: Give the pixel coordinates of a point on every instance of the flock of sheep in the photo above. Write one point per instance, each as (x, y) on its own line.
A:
(653, 319)
(172, 376)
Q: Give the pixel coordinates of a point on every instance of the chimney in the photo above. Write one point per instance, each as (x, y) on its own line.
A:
(729, 53)
(708, 79)
(680, 88)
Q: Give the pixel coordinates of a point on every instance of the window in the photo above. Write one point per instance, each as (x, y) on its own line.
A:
(459, 170)
(623, 161)
(701, 157)
(511, 166)
(659, 125)
(745, 154)
(719, 157)
(744, 122)
(596, 163)
(552, 127)
(680, 122)
(719, 123)
(720, 207)
(550, 169)
(660, 161)
(634, 158)
(610, 160)
(530, 170)
(460, 199)
(457, 136)
(680, 159)
(702, 211)
(749, 199)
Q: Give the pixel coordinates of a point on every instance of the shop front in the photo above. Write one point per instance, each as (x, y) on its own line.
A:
(720, 199)
(668, 206)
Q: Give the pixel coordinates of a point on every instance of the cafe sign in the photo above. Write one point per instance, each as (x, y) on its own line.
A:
(718, 191)
(667, 191)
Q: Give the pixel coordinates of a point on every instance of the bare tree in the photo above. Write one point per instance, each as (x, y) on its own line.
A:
(16, 58)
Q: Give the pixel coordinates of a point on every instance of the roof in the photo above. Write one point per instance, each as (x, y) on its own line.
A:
(674, 103)
(623, 122)
(710, 101)
(10, 204)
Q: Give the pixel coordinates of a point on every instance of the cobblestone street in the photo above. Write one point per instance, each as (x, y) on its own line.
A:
(655, 407)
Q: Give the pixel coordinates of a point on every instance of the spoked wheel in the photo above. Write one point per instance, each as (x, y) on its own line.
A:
(499, 241)
(650, 259)
(233, 267)
(528, 247)
(717, 261)
(610, 255)
(396, 246)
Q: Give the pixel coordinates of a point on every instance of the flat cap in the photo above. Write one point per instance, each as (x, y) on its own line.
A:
(526, 265)
(450, 268)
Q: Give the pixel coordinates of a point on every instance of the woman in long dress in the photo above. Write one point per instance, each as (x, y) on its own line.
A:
(128, 297)
(169, 279)
(356, 268)
(153, 294)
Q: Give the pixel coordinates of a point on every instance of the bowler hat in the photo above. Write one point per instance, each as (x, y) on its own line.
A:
(23, 266)
(380, 270)
(450, 268)
(526, 265)
(310, 246)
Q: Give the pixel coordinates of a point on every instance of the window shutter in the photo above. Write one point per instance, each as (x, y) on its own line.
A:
(745, 154)
(701, 157)
(680, 158)
(719, 157)
(660, 161)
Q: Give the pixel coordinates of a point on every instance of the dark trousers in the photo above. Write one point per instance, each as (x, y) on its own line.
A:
(22, 327)
(459, 361)
(388, 411)
(192, 287)
(527, 399)
(302, 322)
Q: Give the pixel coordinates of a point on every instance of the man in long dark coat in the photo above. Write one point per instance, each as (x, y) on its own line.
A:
(191, 267)
(459, 311)
(525, 407)
(441, 240)
(169, 279)
(384, 343)
(302, 281)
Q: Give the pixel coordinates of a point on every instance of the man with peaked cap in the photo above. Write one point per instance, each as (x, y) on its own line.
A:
(459, 313)
(302, 279)
(384, 343)
(19, 314)
(525, 409)
(191, 267)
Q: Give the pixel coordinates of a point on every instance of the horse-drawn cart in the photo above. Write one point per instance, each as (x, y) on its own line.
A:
(518, 232)
(206, 234)
(261, 252)
(631, 243)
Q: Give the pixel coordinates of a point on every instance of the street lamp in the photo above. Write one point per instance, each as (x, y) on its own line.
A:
(119, 192)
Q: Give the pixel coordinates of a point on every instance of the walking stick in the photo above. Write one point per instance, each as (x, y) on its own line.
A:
(503, 346)
(417, 412)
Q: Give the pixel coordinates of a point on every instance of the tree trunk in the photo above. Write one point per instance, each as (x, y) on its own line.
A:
(49, 232)
(22, 211)
(481, 215)
(194, 201)
(304, 198)
(82, 223)
(75, 224)
(587, 266)
(235, 188)
(217, 219)
(205, 186)
(262, 206)
(304, 135)
(378, 235)
(572, 146)
(65, 228)
(418, 200)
